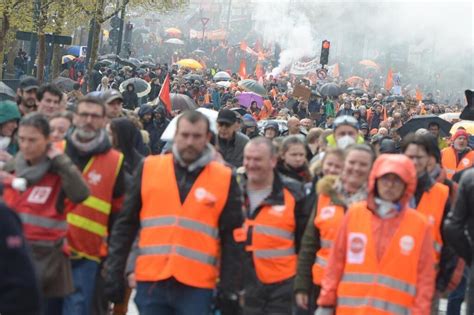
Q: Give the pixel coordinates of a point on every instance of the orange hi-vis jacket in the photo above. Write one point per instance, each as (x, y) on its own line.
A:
(388, 286)
(181, 240)
(270, 237)
(450, 164)
(327, 220)
(432, 205)
(88, 221)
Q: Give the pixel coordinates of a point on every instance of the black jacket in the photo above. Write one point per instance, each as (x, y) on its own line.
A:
(128, 222)
(233, 150)
(130, 98)
(459, 226)
(19, 292)
(276, 197)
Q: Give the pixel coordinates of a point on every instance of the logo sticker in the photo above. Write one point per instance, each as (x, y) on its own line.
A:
(465, 162)
(407, 243)
(202, 195)
(39, 194)
(356, 248)
(327, 212)
(94, 178)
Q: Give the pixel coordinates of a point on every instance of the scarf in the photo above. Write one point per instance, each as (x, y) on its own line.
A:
(32, 173)
(85, 148)
(350, 198)
(205, 158)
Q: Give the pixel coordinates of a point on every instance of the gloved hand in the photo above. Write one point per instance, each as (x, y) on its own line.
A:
(228, 303)
(114, 288)
(325, 311)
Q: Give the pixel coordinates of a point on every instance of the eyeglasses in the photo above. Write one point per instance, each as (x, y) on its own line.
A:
(345, 120)
(91, 115)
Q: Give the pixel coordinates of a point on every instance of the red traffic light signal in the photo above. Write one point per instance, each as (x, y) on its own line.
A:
(326, 44)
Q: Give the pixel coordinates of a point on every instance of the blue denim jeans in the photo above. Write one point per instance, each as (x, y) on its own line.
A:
(84, 274)
(456, 297)
(170, 297)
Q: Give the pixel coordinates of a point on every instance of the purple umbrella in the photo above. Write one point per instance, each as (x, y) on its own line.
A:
(246, 99)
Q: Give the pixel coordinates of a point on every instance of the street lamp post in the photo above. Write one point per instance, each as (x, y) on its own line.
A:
(204, 21)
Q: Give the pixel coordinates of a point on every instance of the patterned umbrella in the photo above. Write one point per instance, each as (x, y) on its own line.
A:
(142, 87)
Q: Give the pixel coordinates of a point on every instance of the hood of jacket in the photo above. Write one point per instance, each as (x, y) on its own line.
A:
(8, 111)
(399, 165)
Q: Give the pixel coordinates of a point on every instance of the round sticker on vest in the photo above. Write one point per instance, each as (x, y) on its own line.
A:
(407, 243)
(327, 212)
(465, 162)
(356, 248)
(278, 208)
(200, 193)
(431, 219)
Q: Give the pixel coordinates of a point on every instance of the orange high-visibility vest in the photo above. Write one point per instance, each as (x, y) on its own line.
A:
(448, 161)
(388, 286)
(432, 205)
(327, 220)
(272, 241)
(181, 240)
(88, 221)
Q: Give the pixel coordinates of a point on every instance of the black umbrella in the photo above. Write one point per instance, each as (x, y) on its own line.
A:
(182, 102)
(241, 111)
(127, 63)
(64, 84)
(109, 56)
(147, 65)
(142, 87)
(330, 89)
(392, 98)
(193, 77)
(356, 91)
(418, 122)
(468, 111)
(6, 92)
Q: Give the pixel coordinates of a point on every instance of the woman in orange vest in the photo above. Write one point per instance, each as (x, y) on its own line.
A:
(334, 195)
(43, 178)
(458, 156)
(382, 260)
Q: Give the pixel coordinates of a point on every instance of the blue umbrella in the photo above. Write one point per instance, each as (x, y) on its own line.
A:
(74, 50)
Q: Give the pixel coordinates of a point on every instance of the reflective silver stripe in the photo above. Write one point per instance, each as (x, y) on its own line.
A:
(326, 243)
(437, 247)
(182, 222)
(389, 307)
(358, 277)
(397, 284)
(270, 230)
(321, 261)
(179, 250)
(375, 303)
(156, 222)
(47, 223)
(382, 280)
(274, 253)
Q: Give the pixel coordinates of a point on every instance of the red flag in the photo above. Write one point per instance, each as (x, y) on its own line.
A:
(389, 81)
(243, 45)
(164, 95)
(243, 68)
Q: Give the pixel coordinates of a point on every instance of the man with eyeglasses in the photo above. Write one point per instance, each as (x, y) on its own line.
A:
(231, 143)
(432, 200)
(89, 148)
(346, 132)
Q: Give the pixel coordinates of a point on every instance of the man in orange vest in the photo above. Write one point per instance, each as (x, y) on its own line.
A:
(431, 199)
(187, 206)
(276, 216)
(89, 148)
(383, 259)
(458, 156)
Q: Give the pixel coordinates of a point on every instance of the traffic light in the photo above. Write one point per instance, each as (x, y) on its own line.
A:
(325, 52)
(114, 33)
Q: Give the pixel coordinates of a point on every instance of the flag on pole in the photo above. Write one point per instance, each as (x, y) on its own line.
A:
(243, 68)
(164, 95)
(259, 72)
(389, 81)
(419, 95)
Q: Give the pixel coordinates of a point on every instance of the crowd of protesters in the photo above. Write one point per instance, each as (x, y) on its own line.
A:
(291, 206)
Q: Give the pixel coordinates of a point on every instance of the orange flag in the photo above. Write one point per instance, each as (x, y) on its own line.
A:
(243, 46)
(389, 81)
(419, 95)
(259, 71)
(243, 68)
(164, 95)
